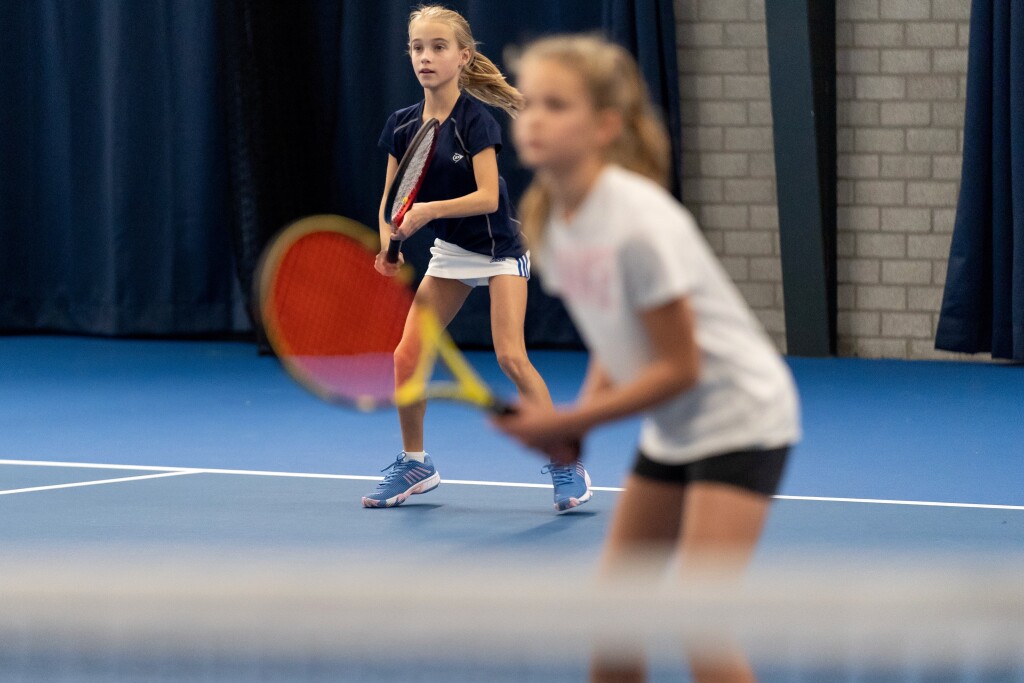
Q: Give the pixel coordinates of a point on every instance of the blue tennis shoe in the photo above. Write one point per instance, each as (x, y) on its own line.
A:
(572, 485)
(404, 478)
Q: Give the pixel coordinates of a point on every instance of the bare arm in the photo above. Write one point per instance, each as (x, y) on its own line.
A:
(382, 221)
(381, 263)
(595, 382)
(674, 369)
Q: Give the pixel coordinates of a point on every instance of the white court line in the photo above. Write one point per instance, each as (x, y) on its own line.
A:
(310, 475)
(882, 501)
(93, 482)
(266, 473)
(94, 465)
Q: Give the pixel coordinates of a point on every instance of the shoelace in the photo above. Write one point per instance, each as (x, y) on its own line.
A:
(394, 471)
(559, 474)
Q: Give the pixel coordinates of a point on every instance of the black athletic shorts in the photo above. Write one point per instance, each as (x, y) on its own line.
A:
(755, 470)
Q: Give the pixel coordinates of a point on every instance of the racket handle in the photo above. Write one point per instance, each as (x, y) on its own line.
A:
(567, 454)
(501, 408)
(572, 450)
(393, 248)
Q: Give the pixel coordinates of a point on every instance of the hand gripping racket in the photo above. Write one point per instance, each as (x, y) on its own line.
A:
(335, 322)
(409, 178)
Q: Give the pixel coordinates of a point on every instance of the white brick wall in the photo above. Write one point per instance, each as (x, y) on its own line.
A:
(907, 59)
(728, 160)
(900, 79)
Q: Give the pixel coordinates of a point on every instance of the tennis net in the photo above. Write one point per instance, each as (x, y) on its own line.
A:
(322, 617)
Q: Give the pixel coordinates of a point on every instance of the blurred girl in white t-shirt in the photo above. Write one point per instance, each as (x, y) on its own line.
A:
(669, 335)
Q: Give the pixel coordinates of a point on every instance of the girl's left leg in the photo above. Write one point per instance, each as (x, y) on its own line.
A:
(721, 527)
(508, 313)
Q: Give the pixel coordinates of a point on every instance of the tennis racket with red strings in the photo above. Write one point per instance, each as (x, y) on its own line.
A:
(335, 322)
(409, 178)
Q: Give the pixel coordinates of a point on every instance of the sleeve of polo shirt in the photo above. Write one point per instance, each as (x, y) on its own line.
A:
(387, 138)
(480, 132)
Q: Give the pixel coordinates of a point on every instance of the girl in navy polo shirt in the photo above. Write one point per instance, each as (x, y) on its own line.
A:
(465, 201)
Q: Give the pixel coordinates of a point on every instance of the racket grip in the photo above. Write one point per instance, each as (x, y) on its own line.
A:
(569, 453)
(393, 249)
(501, 408)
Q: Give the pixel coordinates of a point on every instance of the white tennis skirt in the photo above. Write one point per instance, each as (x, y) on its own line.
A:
(452, 262)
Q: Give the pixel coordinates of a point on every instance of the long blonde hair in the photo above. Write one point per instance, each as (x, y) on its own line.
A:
(480, 77)
(613, 81)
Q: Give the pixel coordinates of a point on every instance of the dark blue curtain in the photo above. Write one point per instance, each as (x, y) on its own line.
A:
(149, 149)
(112, 187)
(647, 29)
(983, 304)
(279, 167)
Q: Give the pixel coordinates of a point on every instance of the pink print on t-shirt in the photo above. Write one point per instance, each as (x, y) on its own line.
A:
(587, 276)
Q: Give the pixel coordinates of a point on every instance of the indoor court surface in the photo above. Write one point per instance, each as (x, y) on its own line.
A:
(127, 446)
(926, 449)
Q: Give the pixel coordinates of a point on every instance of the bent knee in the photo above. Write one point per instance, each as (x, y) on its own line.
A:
(406, 358)
(514, 364)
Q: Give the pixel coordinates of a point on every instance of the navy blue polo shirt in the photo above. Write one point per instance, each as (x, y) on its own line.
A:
(469, 130)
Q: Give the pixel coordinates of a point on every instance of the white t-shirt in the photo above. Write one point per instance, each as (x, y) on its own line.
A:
(631, 247)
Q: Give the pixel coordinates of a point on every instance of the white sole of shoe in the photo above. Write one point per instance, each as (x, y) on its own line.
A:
(428, 484)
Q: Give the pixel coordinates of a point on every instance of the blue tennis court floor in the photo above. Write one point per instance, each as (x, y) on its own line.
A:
(206, 446)
(207, 442)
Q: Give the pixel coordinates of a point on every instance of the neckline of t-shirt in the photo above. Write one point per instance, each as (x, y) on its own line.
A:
(585, 205)
(423, 105)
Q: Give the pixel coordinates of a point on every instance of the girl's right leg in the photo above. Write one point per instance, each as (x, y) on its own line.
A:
(643, 534)
(413, 472)
(445, 298)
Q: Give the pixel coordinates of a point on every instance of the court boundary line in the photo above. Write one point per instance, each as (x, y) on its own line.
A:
(170, 471)
(883, 501)
(91, 482)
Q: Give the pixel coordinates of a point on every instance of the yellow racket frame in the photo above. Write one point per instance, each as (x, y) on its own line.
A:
(466, 386)
(436, 344)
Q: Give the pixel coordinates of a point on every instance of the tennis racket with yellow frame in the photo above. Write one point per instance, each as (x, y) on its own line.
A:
(334, 322)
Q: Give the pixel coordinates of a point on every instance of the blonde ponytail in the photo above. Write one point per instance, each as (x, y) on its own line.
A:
(534, 211)
(480, 77)
(613, 82)
(484, 81)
